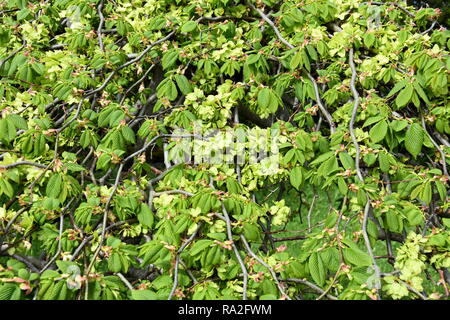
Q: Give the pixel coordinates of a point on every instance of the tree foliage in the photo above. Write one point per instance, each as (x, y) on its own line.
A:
(355, 204)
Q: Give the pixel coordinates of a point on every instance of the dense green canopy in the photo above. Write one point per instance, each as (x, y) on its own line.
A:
(344, 103)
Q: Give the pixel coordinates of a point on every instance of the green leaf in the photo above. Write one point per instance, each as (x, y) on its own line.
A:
(172, 92)
(296, 60)
(145, 216)
(128, 134)
(316, 268)
(346, 160)
(200, 246)
(103, 161)
(38, 68)
(305, 60)
(183, 84)
(414, 139)
(264, 98)
(22, 14)
(114, 262)
(53, 189)
(426, 193)
(323, 157)
(296, 177)
(398, 125)
(143, 295)
(189, 26)
(378, 131)
(420, 92)
(398, 86)
(251, 232)
(414, 216)
(169, 58)
(373, 120)
(383, 161)
(356, 257)
(369, 39)
(7, 129)
(116, 117)
(311, 52)
(9, 291)
(392, 220)
(152, 254)
(253, 58)
(404, 96)
(274, 101)
(157, 23)
(18, 121)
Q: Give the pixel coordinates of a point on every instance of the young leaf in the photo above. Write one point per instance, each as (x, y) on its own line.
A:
(316, 268)
(189, 26)
(398, 86)
(383, 161)
(296, 60)
(145, 216)
(143, 295)
(414, 139)
(264, 98)
(356, 257)
(183, 84)
(54, 186)
(296, 177)
(378, 131)
(346, 160)
(404, 96)
(169, 58)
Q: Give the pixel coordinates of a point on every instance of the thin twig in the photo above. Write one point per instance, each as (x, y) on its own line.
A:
(13, 53)
(310, 211)
(23, 163)
(274, 276)
(444, 164)
(105, 219)
(332, 282)
(177, 260)
(395, 4)
(376, 268)
(100, 26)
(354, 112)
(189, 194)
(61, 226)
(226, 218)
(125, 281)
(10, 223)
(358, 170)
(420, 295)
(311, 285)
(139, 57)
(144, 76)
